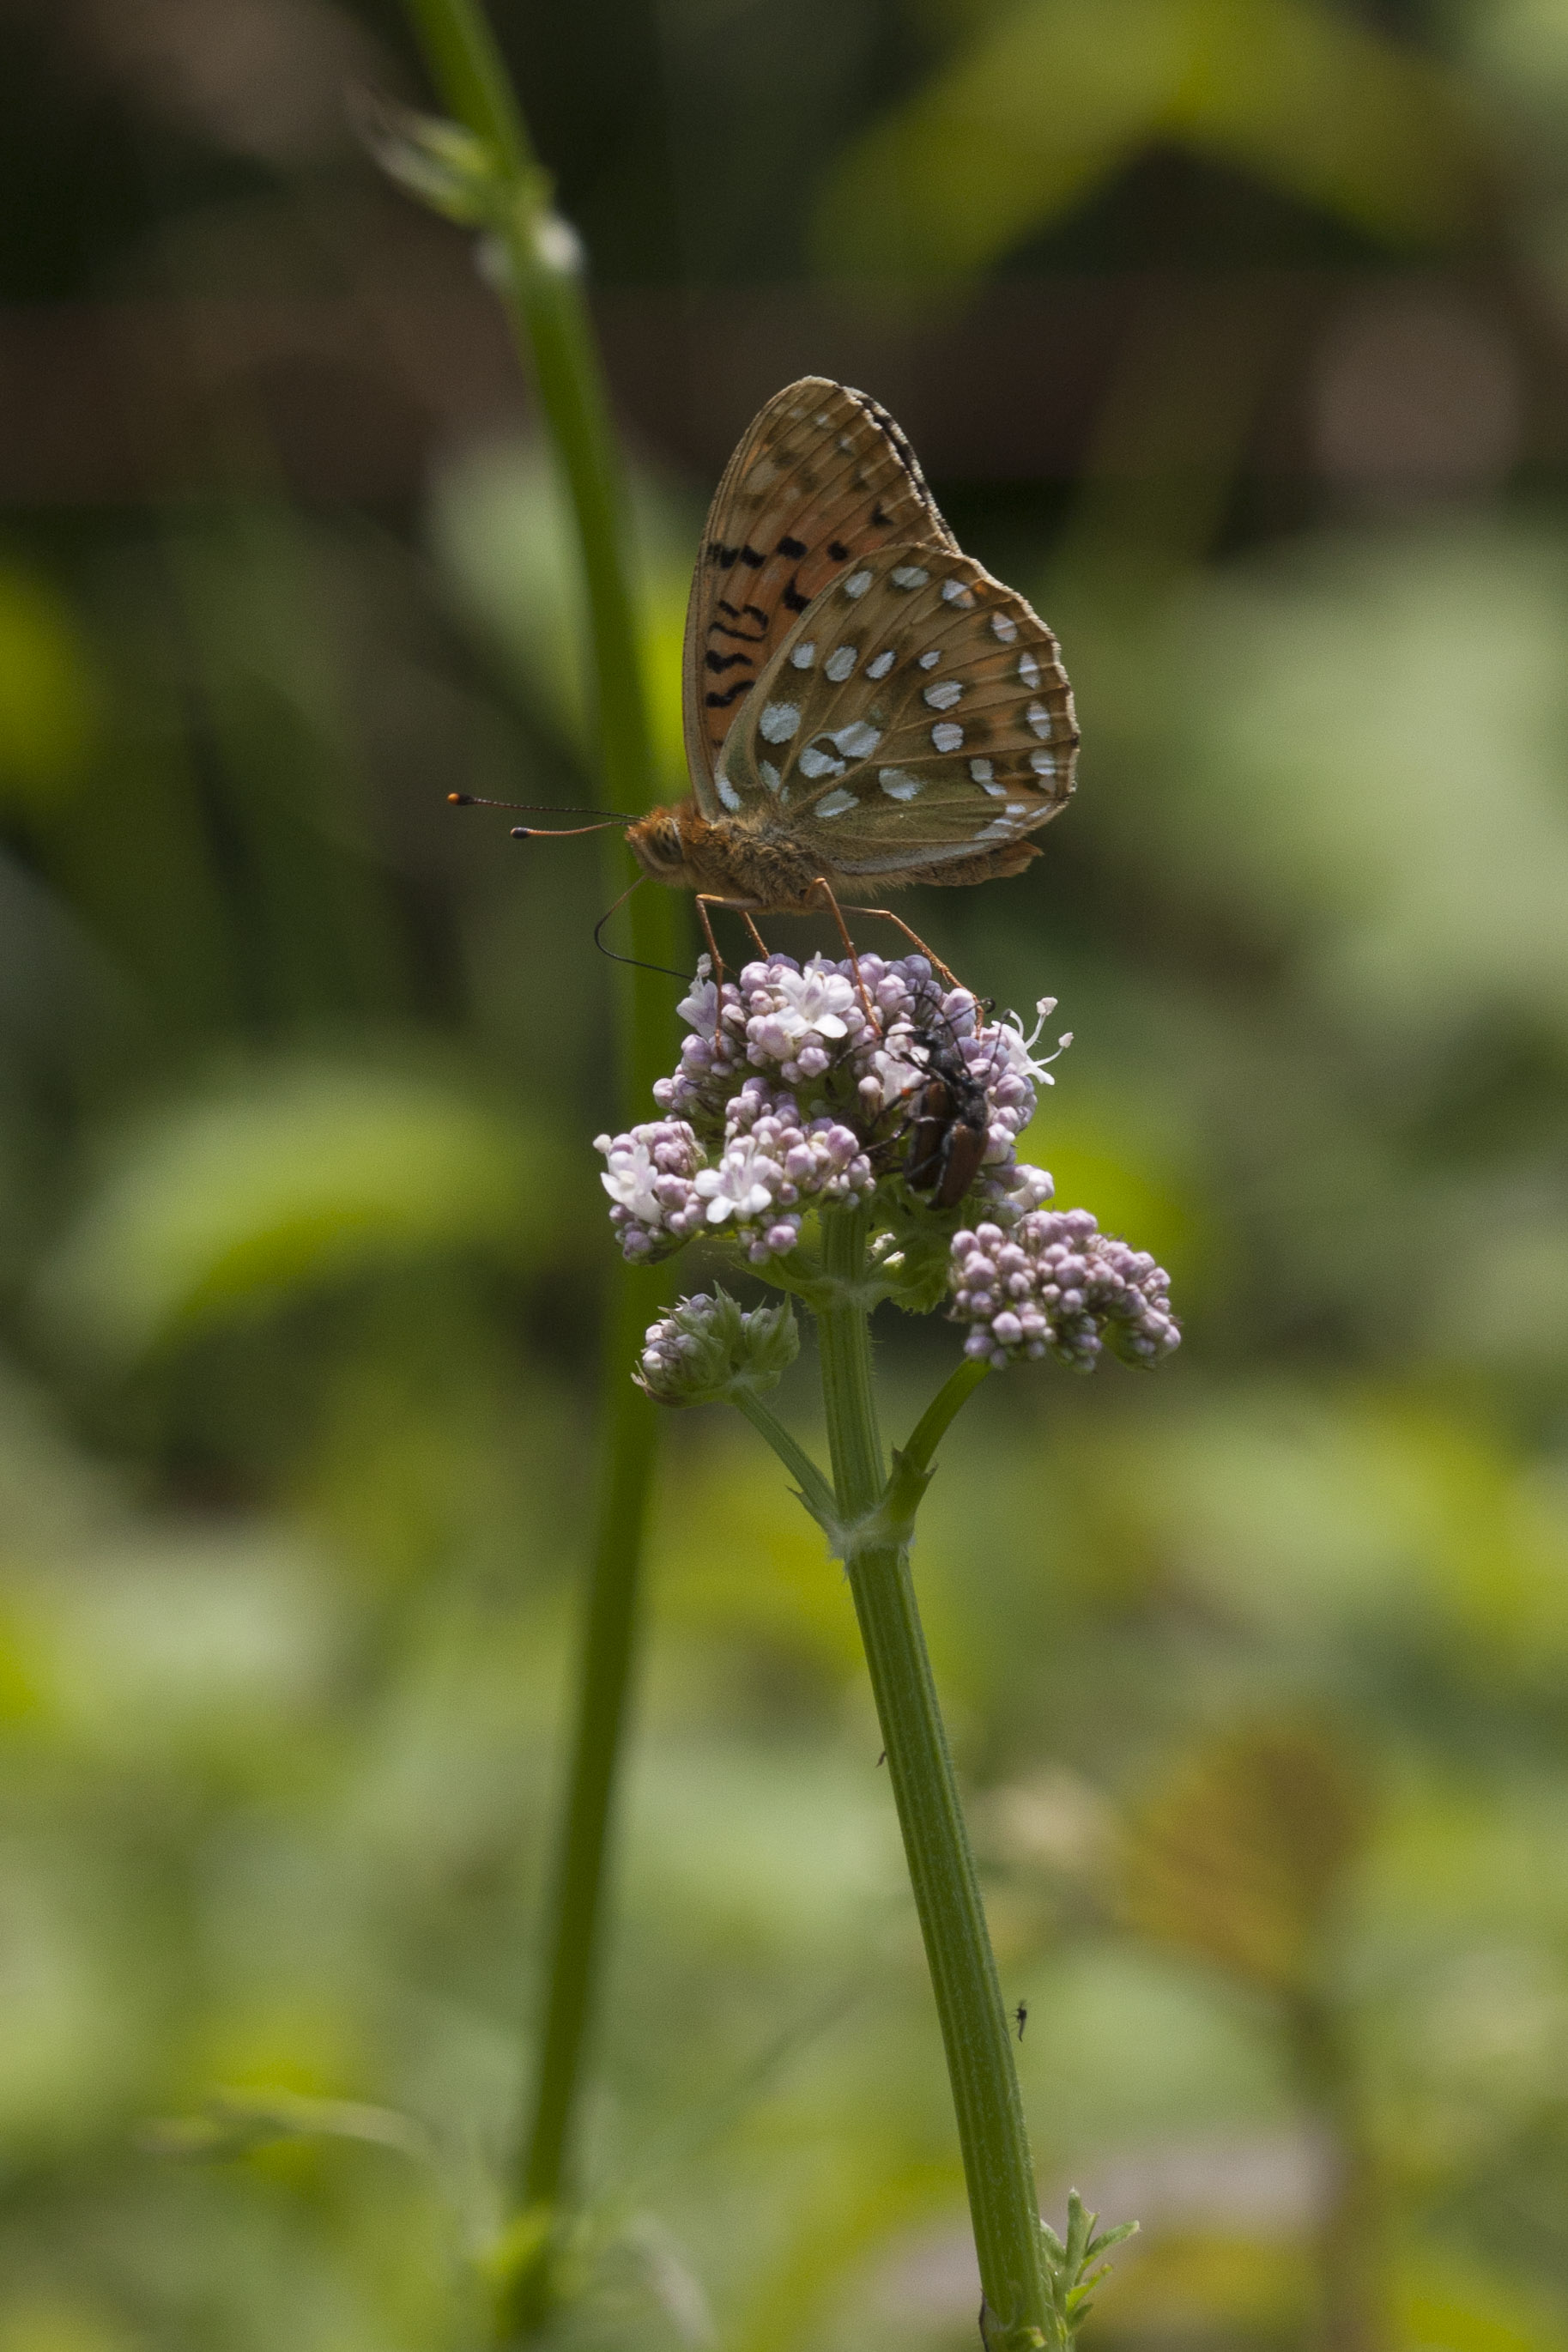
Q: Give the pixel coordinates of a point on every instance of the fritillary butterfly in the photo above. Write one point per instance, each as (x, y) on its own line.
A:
(864, 705)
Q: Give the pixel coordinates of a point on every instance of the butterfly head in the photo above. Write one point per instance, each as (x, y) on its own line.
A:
(658, 843)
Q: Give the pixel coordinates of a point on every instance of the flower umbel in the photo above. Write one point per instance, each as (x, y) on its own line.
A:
(1055, 1284)
(789, 1099)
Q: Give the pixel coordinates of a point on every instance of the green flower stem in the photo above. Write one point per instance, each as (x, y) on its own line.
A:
(933, 1425)
(548, 312)
(995, 2144)
(815, 1492)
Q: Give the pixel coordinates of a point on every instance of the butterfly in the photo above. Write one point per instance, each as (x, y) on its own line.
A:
(865, 706)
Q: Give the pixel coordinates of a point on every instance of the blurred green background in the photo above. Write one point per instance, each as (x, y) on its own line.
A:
(1235, 333)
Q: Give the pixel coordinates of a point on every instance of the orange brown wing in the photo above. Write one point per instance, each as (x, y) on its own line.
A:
(822, 477)
(916, 717)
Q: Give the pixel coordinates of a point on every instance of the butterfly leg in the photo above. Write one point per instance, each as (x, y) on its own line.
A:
(706, 898)
(824, 888)
(887, 915)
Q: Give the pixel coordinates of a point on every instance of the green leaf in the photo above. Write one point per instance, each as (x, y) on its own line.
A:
(1068, 2273)
(437, 162)
(234, 2122)
(1052, 100)
(288, 1177)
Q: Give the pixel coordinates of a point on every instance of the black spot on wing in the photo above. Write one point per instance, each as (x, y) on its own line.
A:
(722, 701)
(793, 548)
(727, 661)
(793, 600)
(748, 555)
(838, 551)
(747, 636)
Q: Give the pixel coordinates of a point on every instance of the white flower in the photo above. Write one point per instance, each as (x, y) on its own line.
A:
(699, 1011)
(631, 1178)
(812, 1003)
(896, 1071)
(745, 1183)
(1019, 1050)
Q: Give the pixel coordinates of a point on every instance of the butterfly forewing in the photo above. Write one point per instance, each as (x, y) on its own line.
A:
(916, 714)
(822, 478)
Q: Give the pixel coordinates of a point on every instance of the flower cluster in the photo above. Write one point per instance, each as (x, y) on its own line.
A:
(789, 1092)
(817, 1085)
(1054, 1283)
(770, 1164)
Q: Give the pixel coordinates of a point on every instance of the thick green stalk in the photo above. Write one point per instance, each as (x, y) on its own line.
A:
(546, 303)
(991, 2133)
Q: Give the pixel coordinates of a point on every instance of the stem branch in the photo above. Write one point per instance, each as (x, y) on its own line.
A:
(815, 1492)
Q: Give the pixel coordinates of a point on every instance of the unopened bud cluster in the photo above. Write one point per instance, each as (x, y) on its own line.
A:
(710, 1347)
(1053, 1284)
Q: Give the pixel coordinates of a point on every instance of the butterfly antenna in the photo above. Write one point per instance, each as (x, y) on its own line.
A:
(541, 808)
(683, 977)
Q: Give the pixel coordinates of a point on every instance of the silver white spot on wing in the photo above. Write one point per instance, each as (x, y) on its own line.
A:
(909, 575)
(1043, 762)
(779, 721)
(943, 697)
(841, 662)
(816, 763)
(768, 773)
(947, 735)
(838, 803)
(1028, 669)
(726, 791)
(804, 655)
(1039, 717)
(897, 783)
(930, 660)
(858, 741)
(857, 583)
(880, 667)
(1004, 627)
(981, 770)
(954, 592)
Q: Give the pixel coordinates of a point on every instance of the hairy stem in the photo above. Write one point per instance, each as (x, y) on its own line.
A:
(548, 312)
(995, 2145)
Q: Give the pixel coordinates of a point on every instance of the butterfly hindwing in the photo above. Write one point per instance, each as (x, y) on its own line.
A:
(916, 714)
(822, 479)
